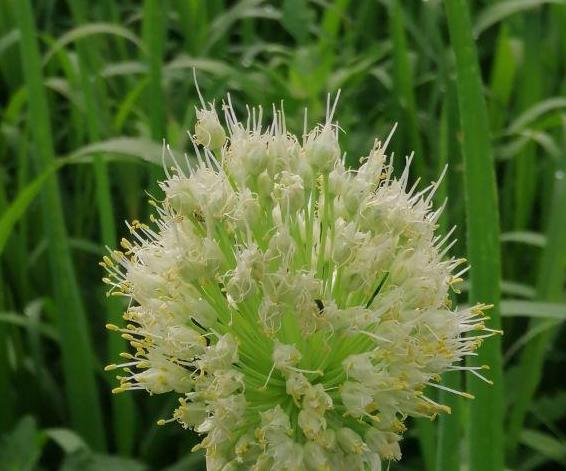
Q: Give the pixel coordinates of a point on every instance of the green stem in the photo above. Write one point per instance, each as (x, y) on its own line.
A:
(6, 411)
(154, 30)
(486, 421)
(404, 88)
(123, 414)
(549, 288)
(78, 365)
(448, 430)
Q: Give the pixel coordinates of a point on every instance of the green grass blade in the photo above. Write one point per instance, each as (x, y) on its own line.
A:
(123, 414)
(538, 110)
(193, 23)
(88, 30)
(153, 39)
(132, 147)
(486, 421)
(530, 91)
(448, 428)
(503, 72)
(7, 409)
(154, 28)
(498, 11)
(15, 210)
(329, 29)
(140, 148)
(404, 88)
(448, 456)
(549, 288)
(81, 388)
(538, 309)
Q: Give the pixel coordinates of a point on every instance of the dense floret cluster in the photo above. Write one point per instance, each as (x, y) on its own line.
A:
(298, 308)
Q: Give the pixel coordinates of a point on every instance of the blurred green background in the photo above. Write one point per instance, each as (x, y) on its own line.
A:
(90, 89)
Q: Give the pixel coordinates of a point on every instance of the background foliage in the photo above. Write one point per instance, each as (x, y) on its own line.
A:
(90, 89)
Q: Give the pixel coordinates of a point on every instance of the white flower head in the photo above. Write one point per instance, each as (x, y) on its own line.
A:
(297, 307)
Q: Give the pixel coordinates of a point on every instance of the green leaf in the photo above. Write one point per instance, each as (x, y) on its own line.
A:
(193, 462)
(212, 66)
(9, 40)
(522, 290)
(120, 69)
(530, 336)
(502, 77)
(524, 237)
(23, 321)
(68, 440)
(297, 18)
(535, 112)
(17, 208)
(76, 346)
(545, 444)
(241, 10)
(499, 11)
(534, 309)
(131, 147)
(84, 31)
(525, 137)
(135, 147)
(550, 288)
(404, 89)
(84, 460)
(20, 449)
(485, 428)
(551, 408)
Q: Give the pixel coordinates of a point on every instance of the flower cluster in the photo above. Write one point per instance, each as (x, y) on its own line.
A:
(298, 308)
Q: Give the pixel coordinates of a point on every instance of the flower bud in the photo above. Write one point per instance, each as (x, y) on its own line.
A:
(208, 130)
(311, 422)
(296, 385)
(386, 444)
(191, 414)
(289, 193)
(322, 149)
(264, 184)
(316, 457)
(247, 157)
(357, 399)
(350, 441)
(285, 356)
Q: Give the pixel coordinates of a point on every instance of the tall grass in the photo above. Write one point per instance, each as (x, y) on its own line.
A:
(88, 95)
(82, 393)
(549, 287)
(94, 95)
(486, 412)
(448, 449)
